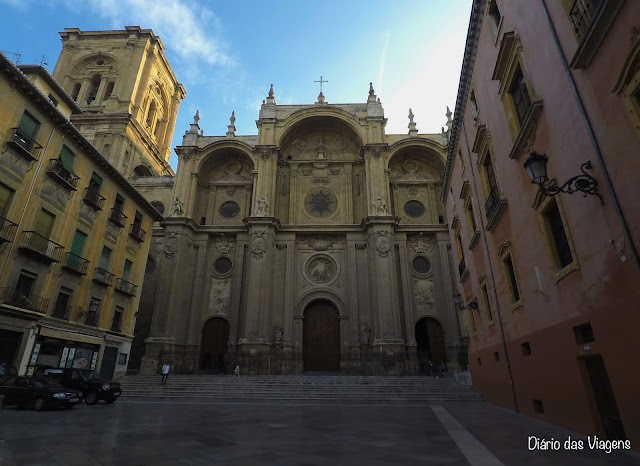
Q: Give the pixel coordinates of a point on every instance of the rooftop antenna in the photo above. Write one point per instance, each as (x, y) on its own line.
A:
(16, 54)
(42, 62)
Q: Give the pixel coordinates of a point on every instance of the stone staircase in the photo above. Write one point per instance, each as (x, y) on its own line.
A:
(298, 388)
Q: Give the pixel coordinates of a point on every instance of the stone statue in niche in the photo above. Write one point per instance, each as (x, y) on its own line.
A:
(263, 207)
(365, 334)
(178, 208)
(277, 334)
(380, 207)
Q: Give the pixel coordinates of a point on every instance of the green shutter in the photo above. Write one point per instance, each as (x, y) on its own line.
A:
(5, 198)
(138, 218)
(29, 125)
(78, 243)
(126, 272)
(104, 259)
(66, 157)
(96, 179)
(44, 223)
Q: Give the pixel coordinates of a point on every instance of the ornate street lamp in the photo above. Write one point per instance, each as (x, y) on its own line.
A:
(457, 299)
(536, 166)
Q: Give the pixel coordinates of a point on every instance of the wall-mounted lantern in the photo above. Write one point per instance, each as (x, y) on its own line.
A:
(457, 299)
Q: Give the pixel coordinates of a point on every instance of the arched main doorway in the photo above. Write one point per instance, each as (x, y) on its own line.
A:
(430, 343)
(215, 335)
(321, 337)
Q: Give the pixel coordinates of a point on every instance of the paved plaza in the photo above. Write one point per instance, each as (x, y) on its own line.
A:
(170, 432)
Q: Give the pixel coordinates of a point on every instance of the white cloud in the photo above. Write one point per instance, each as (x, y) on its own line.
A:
(383, 63)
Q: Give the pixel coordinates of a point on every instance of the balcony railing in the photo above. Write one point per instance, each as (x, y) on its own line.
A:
(103, 276)
(23, 144)
(91, 319)
(7, 230)
(42, 248)
(18, 298)
(462, 266)
(61, 312)
(137, 233)
(582, 14)
(117, 216)
(61, 174)
(126, 287)
(93, 198)
(492, 202)
(75, 263)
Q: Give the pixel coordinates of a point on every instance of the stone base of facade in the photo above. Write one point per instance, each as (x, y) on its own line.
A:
(384, 357)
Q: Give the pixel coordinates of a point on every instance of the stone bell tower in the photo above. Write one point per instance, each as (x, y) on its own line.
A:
(128, 93)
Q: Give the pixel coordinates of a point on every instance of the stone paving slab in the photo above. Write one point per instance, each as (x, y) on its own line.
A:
(170, 432)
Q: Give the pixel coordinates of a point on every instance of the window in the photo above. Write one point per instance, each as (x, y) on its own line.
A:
(6, 195)
(538, 407)
(496, 356)
(118, 205)
(24, 285)
(526, 348)
(151, 114)
(126, 271)
(487, 302)
(25, 134)
(93, 312)
(474, 110)
(520, 95)
(105, 258)
(511, 278)
(66, 159)
(75, 91)
(74, 258)
(62, 303)
(116, 324)
(495, 203)
(627, 86)
(117, 216)
(44, 223)
(462, 265)
(584, 334)
(556, 237)
(94, 84)
(109, 90)
(472, 322)
(494, 17)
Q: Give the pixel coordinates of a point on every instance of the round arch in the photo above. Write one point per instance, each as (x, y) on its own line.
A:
(431, 150)
(323, 294)
(84, 61)
(430, 347)
(215, 152)
(329, 116)
(213, 344)
(142, 170)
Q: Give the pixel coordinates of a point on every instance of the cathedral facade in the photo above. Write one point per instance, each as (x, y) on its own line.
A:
(319, 244)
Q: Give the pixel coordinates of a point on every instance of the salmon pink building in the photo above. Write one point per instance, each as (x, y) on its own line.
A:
(541, 192)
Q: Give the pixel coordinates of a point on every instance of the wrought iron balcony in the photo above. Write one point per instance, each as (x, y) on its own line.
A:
(18, 298)
(126, 287)
(582, 14)
(91, 319)
(93, 198)
(62, 175)
(117, 216)
(25, 145)
(462, 267)
(75, 263)
(137, 233)
(61, 312)
(7, 230)
(40, 247)
(103, 276)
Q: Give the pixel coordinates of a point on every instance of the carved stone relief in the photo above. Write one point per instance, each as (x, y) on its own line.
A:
(171, 244)
(220, 296)
(383, 244)
(321, 242)
(258, 245)
(224, 244)
(422, 244)
(424, 293)
(321, 269)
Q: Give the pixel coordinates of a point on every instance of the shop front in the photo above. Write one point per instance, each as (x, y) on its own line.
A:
(64, 349)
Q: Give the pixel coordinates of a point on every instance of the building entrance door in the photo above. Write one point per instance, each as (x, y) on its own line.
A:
(108, 362)
(215, 336)
(605, 399)
(9, 344)
(430, 343)
(321, 337)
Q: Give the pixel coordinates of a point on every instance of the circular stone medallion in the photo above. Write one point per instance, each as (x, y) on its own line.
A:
(414, 209)
(222, 265)
(321, 269)
(229, 209)
(321, 203)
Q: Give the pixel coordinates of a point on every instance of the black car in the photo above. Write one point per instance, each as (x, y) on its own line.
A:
(38, 393)
(93, 387)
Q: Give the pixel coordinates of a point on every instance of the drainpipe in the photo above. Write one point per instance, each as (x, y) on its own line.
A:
(31, 188)
(594, 141)
(493, 278)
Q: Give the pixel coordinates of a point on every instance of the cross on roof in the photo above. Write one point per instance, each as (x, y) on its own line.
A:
(321, 81)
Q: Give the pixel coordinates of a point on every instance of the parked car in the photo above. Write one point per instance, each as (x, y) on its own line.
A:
(38, 393)
(7, 371)
(92, 386)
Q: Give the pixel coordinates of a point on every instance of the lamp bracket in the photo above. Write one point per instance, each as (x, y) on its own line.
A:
(585, 183)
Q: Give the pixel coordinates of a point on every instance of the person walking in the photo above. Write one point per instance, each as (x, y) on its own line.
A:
(165, 372)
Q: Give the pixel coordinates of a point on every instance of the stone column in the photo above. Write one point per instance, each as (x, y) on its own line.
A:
(189, 205)
(288, 293)
(236, 294)
(196, 294)
(293, 193)
(452, 334)
(211, 205)
(348, 181)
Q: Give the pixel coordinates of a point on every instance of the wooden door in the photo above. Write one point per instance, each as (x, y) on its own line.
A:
(605, 398)
(215, 336)
(436, 342)
(321, 337)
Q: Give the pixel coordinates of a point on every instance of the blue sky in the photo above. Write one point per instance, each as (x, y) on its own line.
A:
(226, 54)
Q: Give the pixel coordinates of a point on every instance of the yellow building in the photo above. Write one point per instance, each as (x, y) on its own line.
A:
(74, 234)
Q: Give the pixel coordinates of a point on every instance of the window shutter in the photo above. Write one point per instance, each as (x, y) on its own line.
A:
(5, 197)
(126, 272)
(78, 243)
(96, 179)
(44, 223)
(29, 125)
(138, 218)
(104, 259)
(66, 157)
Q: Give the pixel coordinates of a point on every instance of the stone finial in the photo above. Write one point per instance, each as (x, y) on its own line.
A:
(196, 117)
(413, 131)
(372, 94)
(270, 98)
(193, 127)
(231, 129)
(448, 114)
